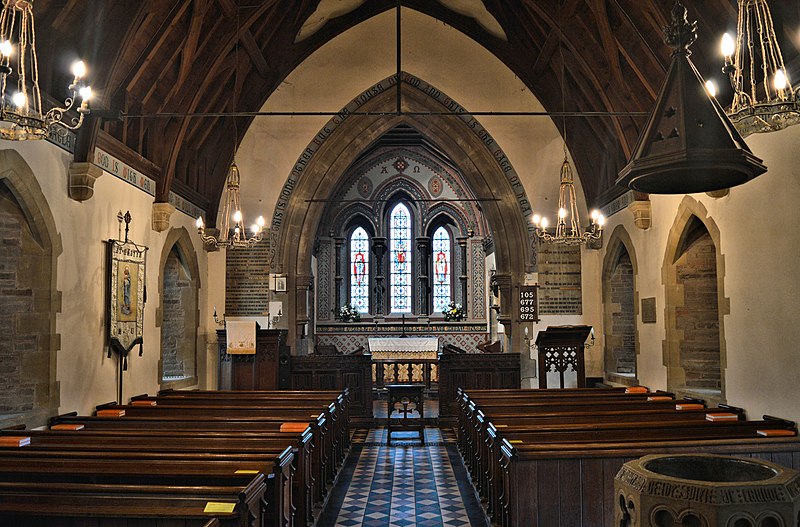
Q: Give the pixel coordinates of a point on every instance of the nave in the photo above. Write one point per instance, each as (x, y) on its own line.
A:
(403, 485)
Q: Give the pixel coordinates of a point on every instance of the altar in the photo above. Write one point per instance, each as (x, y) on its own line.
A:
(404, 347)
(404, 360)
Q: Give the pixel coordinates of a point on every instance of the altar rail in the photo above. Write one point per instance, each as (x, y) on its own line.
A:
(404, 371)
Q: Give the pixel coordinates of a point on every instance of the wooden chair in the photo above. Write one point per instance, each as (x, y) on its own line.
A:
(403, 399)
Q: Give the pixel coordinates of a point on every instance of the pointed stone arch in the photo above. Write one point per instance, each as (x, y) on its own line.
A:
(178, 311)
(620, 309)
(481, 161)
(37, 280)
(695, 366)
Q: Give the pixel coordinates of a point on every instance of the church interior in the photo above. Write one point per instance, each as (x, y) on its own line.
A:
(240, 215)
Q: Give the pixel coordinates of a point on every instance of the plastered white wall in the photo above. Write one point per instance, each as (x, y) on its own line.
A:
(87, 377)
(760, 244)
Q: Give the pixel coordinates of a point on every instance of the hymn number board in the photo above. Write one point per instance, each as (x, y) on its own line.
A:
(528, 303)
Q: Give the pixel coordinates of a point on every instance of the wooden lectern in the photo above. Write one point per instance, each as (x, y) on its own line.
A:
(561, 347)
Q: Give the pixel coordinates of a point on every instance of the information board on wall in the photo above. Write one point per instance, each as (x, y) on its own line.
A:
(528, 303)
(559, 279)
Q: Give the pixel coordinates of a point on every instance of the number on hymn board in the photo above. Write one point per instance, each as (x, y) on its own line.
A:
(528, 303)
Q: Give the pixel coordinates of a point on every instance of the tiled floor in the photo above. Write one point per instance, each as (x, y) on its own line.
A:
(405, 485)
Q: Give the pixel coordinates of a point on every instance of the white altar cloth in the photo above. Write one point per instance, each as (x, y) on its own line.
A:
(404, 347)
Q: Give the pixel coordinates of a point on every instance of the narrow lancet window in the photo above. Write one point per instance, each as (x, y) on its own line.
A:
(400, 247)
(359, 270)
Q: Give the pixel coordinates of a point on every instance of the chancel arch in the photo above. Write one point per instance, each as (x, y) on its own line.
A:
(321, 170)
(29, 347)
(178, 314)
(620, 301)
(693, 273)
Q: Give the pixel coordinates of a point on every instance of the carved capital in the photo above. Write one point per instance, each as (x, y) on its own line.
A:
(211, 247)
(81, 180)
(642, 213)
(161, 214)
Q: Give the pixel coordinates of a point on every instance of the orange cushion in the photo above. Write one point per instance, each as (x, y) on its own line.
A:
(636, 389)
(689, 406)
(776, 433)
(720, 416)
(293, 427)
(14, 441)
(67, 427)
(659, 398)
(111, 413)
(144, 402)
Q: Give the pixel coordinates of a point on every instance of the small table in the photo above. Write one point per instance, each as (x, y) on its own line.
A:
(405, 395)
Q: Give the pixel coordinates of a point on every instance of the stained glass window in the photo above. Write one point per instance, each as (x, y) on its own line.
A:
(441, 270)
(359, 270)
(400, 248)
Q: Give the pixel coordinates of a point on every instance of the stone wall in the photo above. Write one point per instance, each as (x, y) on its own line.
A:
(178, 349)
(621, 335)
(24, 325)
(698, 316)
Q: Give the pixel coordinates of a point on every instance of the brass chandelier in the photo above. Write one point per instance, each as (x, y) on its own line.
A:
(764, 99)
(567, 231)
(21, 114)
(232, 232)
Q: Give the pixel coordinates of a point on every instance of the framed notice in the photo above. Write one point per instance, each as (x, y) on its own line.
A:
(529, 303)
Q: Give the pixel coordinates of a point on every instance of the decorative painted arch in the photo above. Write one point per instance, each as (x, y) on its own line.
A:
(482, 162)
(355, 214)
(16, 175)
(690, 210)
(445, 214)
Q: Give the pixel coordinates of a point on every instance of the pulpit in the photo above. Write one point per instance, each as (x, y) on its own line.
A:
(266, 369)
(561, 348)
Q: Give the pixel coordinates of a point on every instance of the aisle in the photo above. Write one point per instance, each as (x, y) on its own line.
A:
(403, 486)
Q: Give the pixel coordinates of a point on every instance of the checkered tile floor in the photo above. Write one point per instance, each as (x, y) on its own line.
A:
(407, 485)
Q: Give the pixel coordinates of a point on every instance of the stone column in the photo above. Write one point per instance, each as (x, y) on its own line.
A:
(424, 291)
(302, 285)
(462, 278)
(379, 250)
(338, 278)
(505, 316)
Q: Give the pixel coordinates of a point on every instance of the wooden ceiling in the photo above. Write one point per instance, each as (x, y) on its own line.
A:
(178, 56)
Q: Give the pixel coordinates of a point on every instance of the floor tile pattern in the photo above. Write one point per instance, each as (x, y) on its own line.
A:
(405, 485)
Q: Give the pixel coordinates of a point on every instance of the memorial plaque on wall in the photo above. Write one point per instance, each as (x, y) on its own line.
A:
(528, 304)
(559, 279)
(649, 310)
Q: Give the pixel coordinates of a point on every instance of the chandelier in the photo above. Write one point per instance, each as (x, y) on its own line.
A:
(21, 115)
(764, 99)
(568, 232)
(232, 235)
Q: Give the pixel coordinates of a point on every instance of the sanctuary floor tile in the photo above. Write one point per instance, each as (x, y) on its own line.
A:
(405, 485)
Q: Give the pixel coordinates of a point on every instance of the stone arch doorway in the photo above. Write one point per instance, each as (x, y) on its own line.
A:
(481, 161)
(28, 266)
(178, 314)
(620, 300)
(693, 273)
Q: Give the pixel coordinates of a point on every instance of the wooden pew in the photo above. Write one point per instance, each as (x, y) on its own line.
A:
(93, 505)
(51, 467)
(168, 445)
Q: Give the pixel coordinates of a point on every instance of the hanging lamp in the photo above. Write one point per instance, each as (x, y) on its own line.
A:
(688, 145)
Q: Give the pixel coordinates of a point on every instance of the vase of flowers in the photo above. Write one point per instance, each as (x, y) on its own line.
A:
(347, 313)
(454, 313)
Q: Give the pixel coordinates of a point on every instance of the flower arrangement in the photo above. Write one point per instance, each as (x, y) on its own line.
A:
(454, 312)
(347, 313)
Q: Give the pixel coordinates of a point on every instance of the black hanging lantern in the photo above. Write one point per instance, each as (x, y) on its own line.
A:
(689, 144)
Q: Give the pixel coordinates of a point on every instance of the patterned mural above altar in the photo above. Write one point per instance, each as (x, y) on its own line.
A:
(349, 338)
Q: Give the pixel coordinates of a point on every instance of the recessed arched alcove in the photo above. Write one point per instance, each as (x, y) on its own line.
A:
(693, 273)
(28, 296)
(178, 312)
(620, 309)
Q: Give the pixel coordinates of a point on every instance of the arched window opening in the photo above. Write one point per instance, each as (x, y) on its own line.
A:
(359, 270)
(442, 283)
(400, 249)
(697, 313)
(178, 333)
